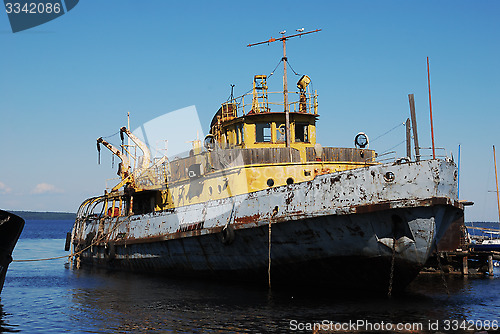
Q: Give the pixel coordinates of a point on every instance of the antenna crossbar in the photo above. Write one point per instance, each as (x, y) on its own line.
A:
(272, 39)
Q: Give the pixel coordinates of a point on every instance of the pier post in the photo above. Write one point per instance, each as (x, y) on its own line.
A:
(465, 266)
(490, 265)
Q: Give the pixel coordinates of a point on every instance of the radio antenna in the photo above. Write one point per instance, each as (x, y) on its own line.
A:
(285, 84)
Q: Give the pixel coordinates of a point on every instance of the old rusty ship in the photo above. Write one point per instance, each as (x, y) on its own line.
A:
(261, 200)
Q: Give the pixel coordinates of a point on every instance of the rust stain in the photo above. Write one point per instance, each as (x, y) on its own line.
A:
(191, 227)
(334, 179)
(372, 207)
(248, 219)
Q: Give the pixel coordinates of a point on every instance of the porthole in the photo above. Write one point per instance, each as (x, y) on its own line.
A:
(270, 182)
(210, 190)
(389, 176)
(219, 188)
(289, 181)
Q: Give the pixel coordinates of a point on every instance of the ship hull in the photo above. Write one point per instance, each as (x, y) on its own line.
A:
(346, 228)
(11, 227)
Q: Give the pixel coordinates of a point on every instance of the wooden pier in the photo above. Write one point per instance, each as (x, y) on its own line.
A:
(456, 255)
(463, 262)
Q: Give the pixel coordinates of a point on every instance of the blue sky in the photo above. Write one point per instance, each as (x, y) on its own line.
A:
(67, 82)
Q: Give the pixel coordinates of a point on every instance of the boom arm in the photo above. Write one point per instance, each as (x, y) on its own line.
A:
(125, 166)
(146, 160)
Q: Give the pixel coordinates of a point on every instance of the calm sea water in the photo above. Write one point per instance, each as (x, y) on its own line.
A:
(49, 296)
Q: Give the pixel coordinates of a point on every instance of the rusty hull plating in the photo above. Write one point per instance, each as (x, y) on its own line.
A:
(339, 227)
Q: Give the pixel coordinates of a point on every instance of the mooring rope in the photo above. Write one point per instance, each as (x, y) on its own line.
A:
(441, 269)
(46, 259)
(273, 214)
(269, 256)
(391, 276)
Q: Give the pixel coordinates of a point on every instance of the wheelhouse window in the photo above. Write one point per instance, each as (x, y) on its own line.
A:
(301, 134)
(263, 132)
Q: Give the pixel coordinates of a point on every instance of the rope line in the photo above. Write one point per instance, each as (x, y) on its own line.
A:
(290, 65)
(441, 268)
(391, 276)
(394, 128)
(114, 134)
(404, 141)
(46, 259)
(269, 256)
(270, 75)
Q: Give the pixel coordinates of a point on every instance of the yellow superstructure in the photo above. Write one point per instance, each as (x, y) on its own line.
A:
(245, 152)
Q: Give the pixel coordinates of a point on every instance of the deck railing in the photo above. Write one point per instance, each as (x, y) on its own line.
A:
(307, 102)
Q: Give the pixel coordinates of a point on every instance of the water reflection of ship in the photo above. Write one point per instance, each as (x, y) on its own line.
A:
(11, 227)
(261, 198)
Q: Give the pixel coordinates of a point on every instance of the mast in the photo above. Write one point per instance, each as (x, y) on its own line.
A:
(430, 107)
(285, 83)
(496, 179)
(285, 96)
(128, 127)
(458, 177)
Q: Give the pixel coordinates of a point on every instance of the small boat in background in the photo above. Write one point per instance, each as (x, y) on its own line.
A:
(11, 227)
(491, 243)
(480, 244)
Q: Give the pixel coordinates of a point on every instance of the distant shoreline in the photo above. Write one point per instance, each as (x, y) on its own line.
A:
(34, 215)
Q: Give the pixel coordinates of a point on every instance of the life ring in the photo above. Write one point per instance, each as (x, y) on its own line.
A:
(227, 235)
(110, 251)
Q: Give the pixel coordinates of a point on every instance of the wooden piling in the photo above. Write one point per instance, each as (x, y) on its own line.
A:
(465, 266)
(414, 125)
(490, 265)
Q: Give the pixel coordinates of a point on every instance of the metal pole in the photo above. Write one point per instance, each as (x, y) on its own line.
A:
(430, 106)
(285, 96)
(458, 176)
(496, 179)
(128, 127)
(408, 139)
(414, 126)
